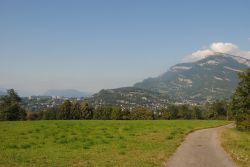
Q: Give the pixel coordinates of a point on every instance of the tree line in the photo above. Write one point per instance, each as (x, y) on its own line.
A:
(238, 108)
(81, 110)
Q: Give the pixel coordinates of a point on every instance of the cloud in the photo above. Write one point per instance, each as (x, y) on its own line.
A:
(200, 54)
(221, 47)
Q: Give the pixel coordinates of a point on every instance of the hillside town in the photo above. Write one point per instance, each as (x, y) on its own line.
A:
(41, 103)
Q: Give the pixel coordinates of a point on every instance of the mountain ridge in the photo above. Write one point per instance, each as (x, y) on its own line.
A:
(205, 80)
(200, 80)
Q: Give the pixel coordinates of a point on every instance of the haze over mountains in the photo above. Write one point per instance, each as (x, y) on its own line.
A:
(66, 93)
(208, 79)
(2, 93)
(52, 92)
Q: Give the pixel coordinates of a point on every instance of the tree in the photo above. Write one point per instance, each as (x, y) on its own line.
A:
(196, 113)
(220, 109)
(69, 110)
(184, 112)
(75, 112)
(11, 97)
(65, 110)
(13, 112)
(141, 113)
(173, 111)
(51, 114)
(10, 108)
(86, 112)
(240, 102)
(164, 113)
(116, 113)
(102, 113)
(216, 110)
(125, 114)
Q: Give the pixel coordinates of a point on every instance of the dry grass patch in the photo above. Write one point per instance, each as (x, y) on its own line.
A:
(237, 144)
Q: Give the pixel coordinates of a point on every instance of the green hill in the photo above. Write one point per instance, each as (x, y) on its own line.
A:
(130, 97)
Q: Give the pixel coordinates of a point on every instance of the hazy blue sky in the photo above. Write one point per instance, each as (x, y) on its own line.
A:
(90, 45)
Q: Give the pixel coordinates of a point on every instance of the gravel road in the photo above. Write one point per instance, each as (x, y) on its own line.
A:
(201, 148)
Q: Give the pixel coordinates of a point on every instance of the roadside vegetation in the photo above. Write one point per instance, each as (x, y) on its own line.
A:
(237, 144)
(93, 142)
(240, 103)
(237, 141)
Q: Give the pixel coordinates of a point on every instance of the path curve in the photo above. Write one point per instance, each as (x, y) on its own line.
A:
(202, 148)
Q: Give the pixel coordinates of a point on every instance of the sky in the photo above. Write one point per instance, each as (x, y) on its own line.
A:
(91, 45)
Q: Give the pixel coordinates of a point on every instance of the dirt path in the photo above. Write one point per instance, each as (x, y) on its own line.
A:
(201, 149)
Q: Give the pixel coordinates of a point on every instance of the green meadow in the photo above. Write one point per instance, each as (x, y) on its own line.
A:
(93, 143)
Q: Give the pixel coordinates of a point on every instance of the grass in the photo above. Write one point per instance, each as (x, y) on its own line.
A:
(93, 143)
(237, 144)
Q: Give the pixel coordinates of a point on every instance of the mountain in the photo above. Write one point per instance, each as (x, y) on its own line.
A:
(129, 97)
(214, 77)
(66, 93)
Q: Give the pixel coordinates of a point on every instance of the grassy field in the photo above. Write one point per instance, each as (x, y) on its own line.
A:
(237, 144)
(93, 143)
